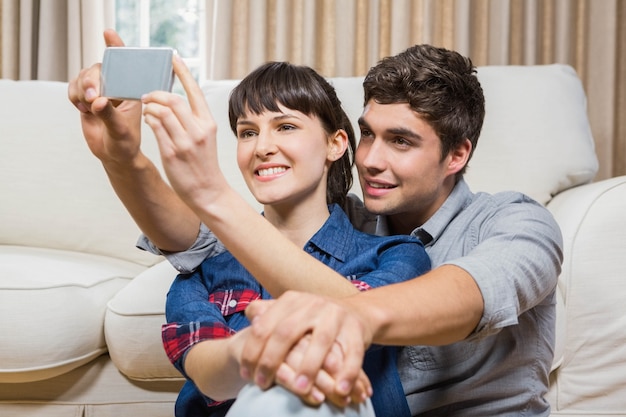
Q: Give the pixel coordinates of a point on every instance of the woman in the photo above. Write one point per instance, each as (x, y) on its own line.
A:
(294, 149)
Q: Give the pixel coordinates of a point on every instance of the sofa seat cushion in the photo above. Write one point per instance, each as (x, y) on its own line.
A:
(133, 326)
(52, 306)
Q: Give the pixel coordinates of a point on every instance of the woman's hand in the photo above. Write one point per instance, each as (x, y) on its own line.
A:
(323, 388)
(279, 325)
(186, 135)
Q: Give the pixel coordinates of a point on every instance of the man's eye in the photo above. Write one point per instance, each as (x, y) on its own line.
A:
(401, 141)
(365, 133)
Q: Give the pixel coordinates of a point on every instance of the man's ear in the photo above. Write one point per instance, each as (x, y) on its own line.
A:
(337, 145)
(458, 157)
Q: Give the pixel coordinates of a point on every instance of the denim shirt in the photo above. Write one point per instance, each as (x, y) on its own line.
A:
(210, 302)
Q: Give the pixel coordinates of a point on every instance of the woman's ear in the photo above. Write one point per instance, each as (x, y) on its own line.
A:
(337, 145)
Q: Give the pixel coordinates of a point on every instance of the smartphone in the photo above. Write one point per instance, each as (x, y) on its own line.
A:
(128, 73)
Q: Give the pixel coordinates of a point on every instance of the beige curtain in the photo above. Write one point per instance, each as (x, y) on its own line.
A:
(346, 37)
(51, 39)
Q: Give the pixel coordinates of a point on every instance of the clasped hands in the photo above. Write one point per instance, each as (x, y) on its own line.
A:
(309, 344)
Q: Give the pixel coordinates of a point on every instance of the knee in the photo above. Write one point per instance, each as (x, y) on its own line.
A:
(277, 401)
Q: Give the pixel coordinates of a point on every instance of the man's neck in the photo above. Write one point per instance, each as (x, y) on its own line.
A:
(405, 223)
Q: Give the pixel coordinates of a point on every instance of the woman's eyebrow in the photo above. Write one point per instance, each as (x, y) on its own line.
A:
(285, 116)
(278, 117)
(244, 122)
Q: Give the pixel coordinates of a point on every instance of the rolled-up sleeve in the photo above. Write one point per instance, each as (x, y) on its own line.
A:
(206, 245)
(517, 263)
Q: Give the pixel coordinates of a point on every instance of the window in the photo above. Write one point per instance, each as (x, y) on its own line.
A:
(179, 24)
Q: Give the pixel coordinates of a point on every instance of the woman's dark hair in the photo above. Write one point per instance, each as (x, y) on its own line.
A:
(440, 85)
(298, 88)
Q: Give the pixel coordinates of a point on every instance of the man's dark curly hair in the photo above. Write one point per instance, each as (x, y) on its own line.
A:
(440, 85)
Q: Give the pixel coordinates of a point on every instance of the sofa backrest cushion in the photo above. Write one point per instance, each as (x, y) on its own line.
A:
(536, 137)
(54, 192)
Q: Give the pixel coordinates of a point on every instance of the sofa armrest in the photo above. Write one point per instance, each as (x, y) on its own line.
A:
(595, 211)
(593, 221)
(133, 325)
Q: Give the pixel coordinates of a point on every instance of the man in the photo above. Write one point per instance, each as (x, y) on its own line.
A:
(479, 328)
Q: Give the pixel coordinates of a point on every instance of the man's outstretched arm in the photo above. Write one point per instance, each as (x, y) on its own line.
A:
(112, 130)
(443, 306)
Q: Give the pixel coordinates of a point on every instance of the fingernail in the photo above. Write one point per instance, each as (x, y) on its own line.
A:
(261, 380)
(245, 373)
(318, 395)
(302, 382)
(344, 387)
(90, 93)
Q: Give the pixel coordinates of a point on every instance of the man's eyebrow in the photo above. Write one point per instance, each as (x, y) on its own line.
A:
(399, 131)
(404, 132)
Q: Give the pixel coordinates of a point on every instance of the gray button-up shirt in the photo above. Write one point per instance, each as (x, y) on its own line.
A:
(512, 247)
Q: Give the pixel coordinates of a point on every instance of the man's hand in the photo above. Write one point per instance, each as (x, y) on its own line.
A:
(279, 325)
(112, 129)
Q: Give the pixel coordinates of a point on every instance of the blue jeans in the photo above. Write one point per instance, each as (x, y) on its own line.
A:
(278, 402)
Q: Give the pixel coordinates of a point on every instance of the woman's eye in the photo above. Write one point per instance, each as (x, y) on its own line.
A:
(246, 134)
(286, 127)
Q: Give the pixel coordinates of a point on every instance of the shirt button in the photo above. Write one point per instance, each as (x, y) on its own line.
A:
(232, 303)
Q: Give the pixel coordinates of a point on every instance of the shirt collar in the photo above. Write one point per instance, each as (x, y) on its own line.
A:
(334, 235)
(458, 199)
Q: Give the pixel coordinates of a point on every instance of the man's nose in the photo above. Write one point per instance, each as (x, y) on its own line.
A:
(373, 156)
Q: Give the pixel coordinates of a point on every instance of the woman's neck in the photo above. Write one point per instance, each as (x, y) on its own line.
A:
(298, 223)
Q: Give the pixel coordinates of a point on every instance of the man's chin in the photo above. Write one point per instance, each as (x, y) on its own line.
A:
(376, 206)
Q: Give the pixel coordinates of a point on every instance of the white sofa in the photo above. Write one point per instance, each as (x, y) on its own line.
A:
(81, 307)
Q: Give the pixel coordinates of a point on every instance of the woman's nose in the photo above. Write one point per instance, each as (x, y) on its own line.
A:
(265, 145)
